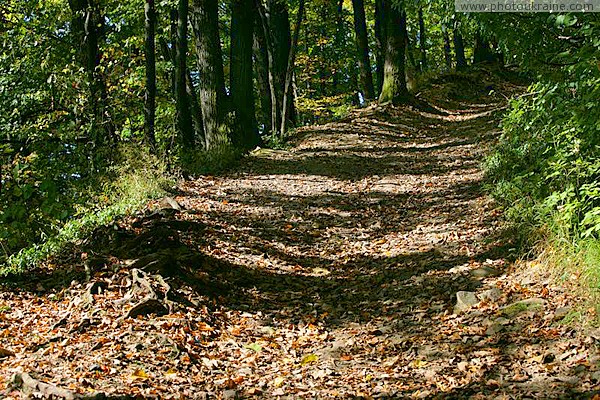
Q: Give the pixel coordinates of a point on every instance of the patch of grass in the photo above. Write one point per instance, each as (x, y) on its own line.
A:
(276, 142)
(220, 157)
(134, 178)
(514, 310)
(577, 265)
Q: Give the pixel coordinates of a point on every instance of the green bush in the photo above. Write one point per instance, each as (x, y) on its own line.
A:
(131, 178)
(546, 166)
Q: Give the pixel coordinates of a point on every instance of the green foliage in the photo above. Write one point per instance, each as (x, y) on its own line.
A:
(131, 180)
(546, 167)
(221, 156)
(547, 162)
(326, 108)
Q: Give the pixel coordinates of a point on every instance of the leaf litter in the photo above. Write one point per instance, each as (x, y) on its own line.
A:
(327, 271)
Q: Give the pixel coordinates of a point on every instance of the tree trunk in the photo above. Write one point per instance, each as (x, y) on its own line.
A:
(459, 50)
(362, 45)
(195, 110)
(447, 48)
(290, 68)
(379, 43)
(482, 51)
(339, 40)
(409, 49)
(422, 41)
(242, 85)
(169, 54)
(88, 28)
(394, 82)
(279, 25)
(261, 72)
(205, 22)
(270, 65)
(184, 116)
(150, 92)
(173, 50)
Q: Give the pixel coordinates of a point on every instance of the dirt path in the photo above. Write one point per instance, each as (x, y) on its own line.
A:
(329, 270)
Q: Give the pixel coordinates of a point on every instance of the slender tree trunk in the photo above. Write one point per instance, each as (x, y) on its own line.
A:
(184, 116)
(394, 81)
(279, 25)
(242, 87)
(447, 48)
(339, 38)
(190, 90)
(459, 49)
(410, 69)
(290, 68)
(482, 51)
(150, 93)
(422, 41)
(88, 27)
(173, 54)
(410, 49)
(379, 43)
(205, 23)
(261, 72)
(268, 47)
(362, 45)
(195, 110)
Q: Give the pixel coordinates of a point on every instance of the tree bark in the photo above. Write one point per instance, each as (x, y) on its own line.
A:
(362, 45)
(190, 89)
(447, 48)
(394, 82)
(88, 29)
(150, 92)
(459, 49)
(422, 41)
(279, 25)
(482, 51)
(290, 68)
(267, 47)
(261, 73)
(205, 23)
(184, 116)
(339, 39)
(195, 110)
(379, 43)
(242, 87)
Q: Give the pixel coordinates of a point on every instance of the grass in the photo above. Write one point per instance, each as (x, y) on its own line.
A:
(126, 187)
(575, 264)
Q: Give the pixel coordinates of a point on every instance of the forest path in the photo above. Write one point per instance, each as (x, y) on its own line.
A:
(358, 239)
(329, 270)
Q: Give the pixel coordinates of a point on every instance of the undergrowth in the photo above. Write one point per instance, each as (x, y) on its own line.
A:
(545, 171)
(133, 177)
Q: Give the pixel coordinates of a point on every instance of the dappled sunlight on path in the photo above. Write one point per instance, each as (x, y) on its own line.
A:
(327, 270)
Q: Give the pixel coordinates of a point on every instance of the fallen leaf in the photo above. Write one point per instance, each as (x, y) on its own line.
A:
(254, 391)
(254, 346)
(419, 363)
(6, 353)
(139, 374)
(279, 381)
(171, 373)
(205, 327)
(309, 359)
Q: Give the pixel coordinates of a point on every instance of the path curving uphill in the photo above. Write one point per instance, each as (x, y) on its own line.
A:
(329, 270)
